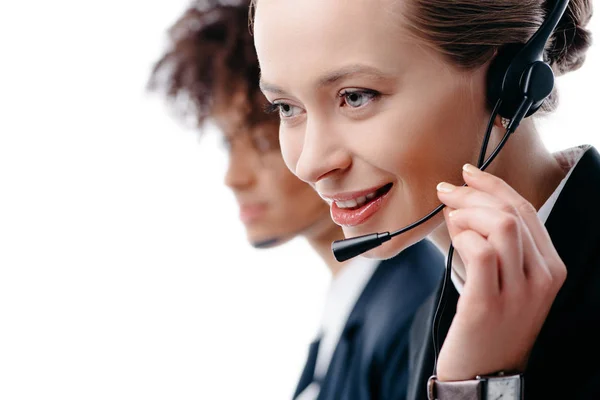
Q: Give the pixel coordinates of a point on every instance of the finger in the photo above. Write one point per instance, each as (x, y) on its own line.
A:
(503, 231)
(465, 196)
(451, 229)
(481, 264)
(549, 264)
(495, 186)
(468, 197)
(485, 223)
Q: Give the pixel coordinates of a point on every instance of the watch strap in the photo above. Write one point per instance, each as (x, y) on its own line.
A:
(463, 390)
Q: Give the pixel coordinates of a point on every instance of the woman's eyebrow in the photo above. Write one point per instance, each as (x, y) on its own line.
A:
(271, 88)
(332, 77)
(351, 70)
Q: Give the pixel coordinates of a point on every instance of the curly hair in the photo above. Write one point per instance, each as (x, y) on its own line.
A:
(211, 64)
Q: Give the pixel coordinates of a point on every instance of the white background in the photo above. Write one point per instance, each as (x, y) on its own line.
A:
(124, 272)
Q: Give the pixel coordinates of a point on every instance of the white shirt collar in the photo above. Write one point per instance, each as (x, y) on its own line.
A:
(568, 160)
(343, 293)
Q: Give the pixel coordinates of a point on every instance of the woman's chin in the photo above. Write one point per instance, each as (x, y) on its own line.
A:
(266, 240)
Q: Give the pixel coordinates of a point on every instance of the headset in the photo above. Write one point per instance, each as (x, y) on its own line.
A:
(518, 82)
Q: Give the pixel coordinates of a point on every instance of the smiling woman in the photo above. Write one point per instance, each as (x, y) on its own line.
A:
(362, 87)
(125, 272)
(381, 106)
(361, 346)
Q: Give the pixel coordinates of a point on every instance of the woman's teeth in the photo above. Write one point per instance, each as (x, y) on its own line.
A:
(358, 202)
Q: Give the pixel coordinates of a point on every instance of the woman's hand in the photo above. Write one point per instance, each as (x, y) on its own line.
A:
(513, 275)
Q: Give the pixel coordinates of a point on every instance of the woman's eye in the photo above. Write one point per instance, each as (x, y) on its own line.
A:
(285, 110)
(357, 98)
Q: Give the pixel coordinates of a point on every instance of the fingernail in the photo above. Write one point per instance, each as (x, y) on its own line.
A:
(445, 187)
(452, 213)
(471, 169)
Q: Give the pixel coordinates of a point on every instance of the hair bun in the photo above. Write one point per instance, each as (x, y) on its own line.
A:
(567, 50)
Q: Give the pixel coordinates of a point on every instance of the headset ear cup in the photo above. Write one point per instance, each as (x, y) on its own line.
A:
(537, 82)
(496, 85)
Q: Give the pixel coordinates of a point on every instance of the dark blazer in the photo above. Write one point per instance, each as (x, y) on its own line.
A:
(565, 360)
(371, 359)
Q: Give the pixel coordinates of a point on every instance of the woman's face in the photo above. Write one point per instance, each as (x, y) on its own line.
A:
(372, 118)
(274, 205)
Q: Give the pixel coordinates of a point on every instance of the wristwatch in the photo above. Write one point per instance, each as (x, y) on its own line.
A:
(489, 387)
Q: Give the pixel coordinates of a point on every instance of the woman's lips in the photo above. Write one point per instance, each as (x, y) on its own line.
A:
(356, 216)
(250, 213)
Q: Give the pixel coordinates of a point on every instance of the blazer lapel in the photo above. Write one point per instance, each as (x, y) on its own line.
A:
(422, 352)
(339, 370)
(341, 363)
(574, 221)
(309, 368)
(573, 226)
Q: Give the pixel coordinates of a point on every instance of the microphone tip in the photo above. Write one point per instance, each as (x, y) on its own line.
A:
(346, 249)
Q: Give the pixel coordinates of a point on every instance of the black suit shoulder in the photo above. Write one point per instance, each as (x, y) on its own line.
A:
(401, 285)
(371, 359)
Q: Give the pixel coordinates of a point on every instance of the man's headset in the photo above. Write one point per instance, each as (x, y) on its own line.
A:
(518, 83)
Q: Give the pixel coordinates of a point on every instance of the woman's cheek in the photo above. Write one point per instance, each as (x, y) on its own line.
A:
(291, 148)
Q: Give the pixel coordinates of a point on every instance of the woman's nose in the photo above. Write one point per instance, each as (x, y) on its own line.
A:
(241, 170)
(322, 153)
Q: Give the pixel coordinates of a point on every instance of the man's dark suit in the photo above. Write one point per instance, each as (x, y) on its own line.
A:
(371, 359)
(565, 360)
